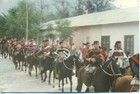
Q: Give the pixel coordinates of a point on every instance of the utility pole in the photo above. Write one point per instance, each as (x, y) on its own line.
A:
(26, 22)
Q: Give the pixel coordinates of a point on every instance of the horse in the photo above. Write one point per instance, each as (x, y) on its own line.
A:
(66, 70)
(46, 63)
(10, 51)
(123, 84)
(18, 57)
(32, 60)
(103, 76)
(5, 50)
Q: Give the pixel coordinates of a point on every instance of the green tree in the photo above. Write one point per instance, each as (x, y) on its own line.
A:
(99, 5)
(16, 21)
(64, 28)
(3, 29)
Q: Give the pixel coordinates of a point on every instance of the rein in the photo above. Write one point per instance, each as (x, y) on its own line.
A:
(112, 75)
(68, 67)
(51, 56)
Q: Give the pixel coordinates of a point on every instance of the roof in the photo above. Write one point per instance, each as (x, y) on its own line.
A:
(101, 18)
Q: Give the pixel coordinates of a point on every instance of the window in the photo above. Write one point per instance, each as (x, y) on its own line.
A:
(129, 43)
(87, 39)
(105, 42)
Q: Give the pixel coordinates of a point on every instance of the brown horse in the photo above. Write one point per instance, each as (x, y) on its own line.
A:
(123, 84)
(103, 77)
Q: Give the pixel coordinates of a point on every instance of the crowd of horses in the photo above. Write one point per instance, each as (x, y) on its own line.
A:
(105, 77)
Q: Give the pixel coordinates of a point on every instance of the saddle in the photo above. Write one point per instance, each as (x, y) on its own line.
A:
(120, 63)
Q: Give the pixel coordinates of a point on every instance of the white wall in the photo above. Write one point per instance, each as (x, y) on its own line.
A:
(93, 32)
(117, 32)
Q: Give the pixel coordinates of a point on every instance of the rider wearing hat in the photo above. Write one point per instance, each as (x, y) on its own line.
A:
(31, 47)
(95, 53)
(62, 54)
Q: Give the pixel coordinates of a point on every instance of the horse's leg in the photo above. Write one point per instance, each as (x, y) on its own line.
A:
(25, 67)
(63, 85)
(66, 80)
(70, 78)
(80, 84)
(18, 64)
(22, 66)
(87, 90)
(53, 79)
(45, 71)
(41, 75)
(59, 84)
(36, 70)
(50, 77)
(30, 68)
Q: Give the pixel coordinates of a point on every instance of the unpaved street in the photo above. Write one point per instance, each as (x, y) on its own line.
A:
(12, 80)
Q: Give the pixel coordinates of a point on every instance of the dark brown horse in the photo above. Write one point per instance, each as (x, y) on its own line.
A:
(66, 70)
(5, 50)
(18, 58)
(33, 61)
(103, 76)
(46, 64)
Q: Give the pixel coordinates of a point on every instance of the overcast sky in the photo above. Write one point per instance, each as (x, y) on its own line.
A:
(5, 5)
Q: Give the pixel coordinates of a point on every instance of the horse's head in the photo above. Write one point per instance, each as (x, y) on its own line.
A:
(52, 52)
(110, 68)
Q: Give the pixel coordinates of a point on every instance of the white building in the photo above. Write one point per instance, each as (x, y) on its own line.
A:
(107, 27)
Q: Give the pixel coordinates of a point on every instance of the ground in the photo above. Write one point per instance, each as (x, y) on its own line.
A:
(12, 80)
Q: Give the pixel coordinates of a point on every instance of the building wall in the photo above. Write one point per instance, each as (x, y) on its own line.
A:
(118, 31)
(115, 31)
(86, 34)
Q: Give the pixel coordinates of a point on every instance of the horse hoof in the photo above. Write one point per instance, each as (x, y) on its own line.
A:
(59, 88)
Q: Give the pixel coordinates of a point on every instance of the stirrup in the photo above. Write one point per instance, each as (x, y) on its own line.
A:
(135, 81)
(91, 89)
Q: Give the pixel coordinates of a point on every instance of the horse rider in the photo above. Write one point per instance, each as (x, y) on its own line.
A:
(14, 43)
(118, 55)
(56, 45)
(31, 47)
(93, 55)
(86, 49)
(3, 41)
(134, 64)
(62, 54)
(73, 49)
(46, 48)
(18, 47)
(22, 42)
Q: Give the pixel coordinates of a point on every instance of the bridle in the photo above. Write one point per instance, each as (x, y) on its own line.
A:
(109, 74)
(68, 67)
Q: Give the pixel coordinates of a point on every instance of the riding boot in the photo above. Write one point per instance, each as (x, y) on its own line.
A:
(91, 87)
